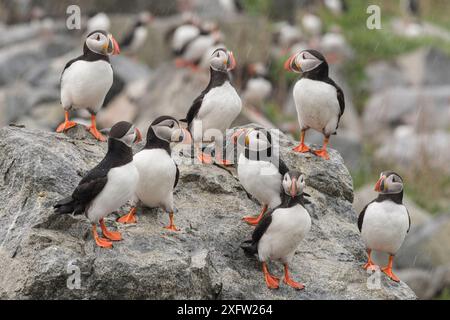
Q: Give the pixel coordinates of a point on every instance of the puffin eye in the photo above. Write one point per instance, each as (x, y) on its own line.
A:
(98, 37)
(171, 125)
(257, 135)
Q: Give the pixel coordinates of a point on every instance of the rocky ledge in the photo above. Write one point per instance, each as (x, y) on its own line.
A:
(40, 251)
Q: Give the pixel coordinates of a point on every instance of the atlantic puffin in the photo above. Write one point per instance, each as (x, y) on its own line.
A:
(260, 169)
(135, 38)
(158, 172)
(280, 231)
(108, 186)
(385, 221)
(318, 99)
(216, 107)
(86, 80)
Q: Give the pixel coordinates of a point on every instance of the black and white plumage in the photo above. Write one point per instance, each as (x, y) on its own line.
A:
(134, 40)
(215, 109)
(158, 172)
(109, 185)
(385, 221)
(318, 99)
(261, 170)
(86, 80)
(281, 230)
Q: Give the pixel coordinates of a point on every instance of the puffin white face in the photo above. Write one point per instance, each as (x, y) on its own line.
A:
(102, 43)
(222, 60)
(389, 183)
(168, 129)
(302, 62)
(257, 140)
(125, 132)
(293, 183)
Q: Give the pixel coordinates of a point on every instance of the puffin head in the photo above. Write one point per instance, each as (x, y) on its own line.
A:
(307, 62)
(166, 128)
(293, 183)
(126, 132)
(101, 42)
(222, 60)
(145, 18)
(257, 69)
(389, 183)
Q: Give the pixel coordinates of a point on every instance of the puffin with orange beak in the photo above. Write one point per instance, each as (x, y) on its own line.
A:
(215, 109)
(318, 99)
(108, 186)
(281, 230)
(385, 221)
(86, 80)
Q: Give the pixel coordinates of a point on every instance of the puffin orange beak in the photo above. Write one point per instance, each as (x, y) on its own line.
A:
(288, 65)
(116, 47)
(231, 61)
(294, 188)
(378, 185)
(138, 136)
(187, 139)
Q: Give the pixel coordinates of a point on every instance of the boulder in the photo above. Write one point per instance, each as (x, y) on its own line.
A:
(427, 247)
(41, 252)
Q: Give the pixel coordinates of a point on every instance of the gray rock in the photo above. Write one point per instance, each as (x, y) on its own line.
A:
(426, 284)
(203, 261)
(427, 247)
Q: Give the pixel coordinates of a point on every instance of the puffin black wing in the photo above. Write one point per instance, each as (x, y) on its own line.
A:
(409, 220)
(177, 177)
(361, 215)
(282, 167)
(251, 246)
(126, 41)
(195, 107)
(340, 95)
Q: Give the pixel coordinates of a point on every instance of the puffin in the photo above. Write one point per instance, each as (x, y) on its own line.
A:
(135, 38)
(260, 169)
(98, 21)
(318, 99)
(216, 107)
(337, 7)
(385, 221)
(193, 51)
(107, 186)
(158, 172)
(257, 86)
(86, 80)
(281, 230)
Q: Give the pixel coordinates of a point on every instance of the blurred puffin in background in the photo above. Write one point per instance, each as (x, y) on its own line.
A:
(98, 21)
(137, 35)
(256, 85)
(318, 99)
(86, 80)
(385, 221)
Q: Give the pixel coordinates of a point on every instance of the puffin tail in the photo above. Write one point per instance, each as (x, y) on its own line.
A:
(66, 205)
(250, 248)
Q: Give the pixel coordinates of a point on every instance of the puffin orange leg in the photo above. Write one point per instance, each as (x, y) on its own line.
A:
(302, 147)
(220, 160)
(101, 242)
(388, 270)
(203, 157)
(323, 152)
(171, 225)
(111, 235)
(94, 131)
(271, 281)
(289, 281)
(130, 217)
(255, 220)
(66, 125)
(369, 264)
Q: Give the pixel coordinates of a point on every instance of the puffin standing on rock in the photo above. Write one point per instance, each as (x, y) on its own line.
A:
(318, 99)
(385, 221)
(86, 80)
(109, 185)
(158, 172)
(260, 171)
(281, 230)
(216, 107)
